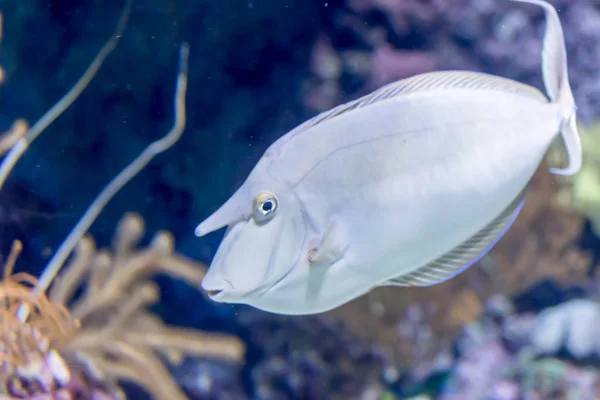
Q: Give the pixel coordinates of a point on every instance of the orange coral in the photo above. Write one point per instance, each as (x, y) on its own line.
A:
(107, 334)
(24, 343)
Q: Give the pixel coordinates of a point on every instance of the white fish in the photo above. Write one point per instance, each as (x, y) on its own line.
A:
(406, 186)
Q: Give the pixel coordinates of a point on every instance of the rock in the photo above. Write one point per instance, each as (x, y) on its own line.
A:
(574, 325)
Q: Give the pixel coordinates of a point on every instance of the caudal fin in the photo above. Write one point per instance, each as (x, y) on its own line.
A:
(554, 55)
(556, 80)
(572, 142)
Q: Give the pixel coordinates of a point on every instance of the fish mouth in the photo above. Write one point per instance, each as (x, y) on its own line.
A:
(216, 292)
(226, 292)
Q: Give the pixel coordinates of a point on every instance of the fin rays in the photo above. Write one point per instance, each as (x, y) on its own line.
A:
(463, 256)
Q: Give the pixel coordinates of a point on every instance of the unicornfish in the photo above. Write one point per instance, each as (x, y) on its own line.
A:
(407, 186)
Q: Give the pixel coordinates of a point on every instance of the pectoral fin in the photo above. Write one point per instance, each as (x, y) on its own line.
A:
(332, 247)
(463, 256)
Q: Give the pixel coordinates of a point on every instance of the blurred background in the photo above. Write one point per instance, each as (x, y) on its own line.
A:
(524, 323)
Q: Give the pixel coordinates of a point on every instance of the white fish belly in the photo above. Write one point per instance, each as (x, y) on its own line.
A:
(416, 176)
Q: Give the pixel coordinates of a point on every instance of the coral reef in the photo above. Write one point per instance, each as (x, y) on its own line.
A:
(94, 329)
(311, 358)
(496, 357)
(572, 326)
(373, 42)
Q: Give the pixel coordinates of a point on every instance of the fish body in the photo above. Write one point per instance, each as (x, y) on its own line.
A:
(406, 186)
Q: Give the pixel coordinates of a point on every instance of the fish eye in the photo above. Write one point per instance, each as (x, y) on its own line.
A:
(265, 205)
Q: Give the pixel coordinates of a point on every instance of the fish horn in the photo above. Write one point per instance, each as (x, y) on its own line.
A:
(237, 208)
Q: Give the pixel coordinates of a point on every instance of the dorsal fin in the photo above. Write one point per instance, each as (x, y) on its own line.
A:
(464, 255)
(426, 82)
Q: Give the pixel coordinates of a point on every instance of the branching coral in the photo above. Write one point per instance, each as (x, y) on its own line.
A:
(117, 332)
(107, 334)
(24, 345)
